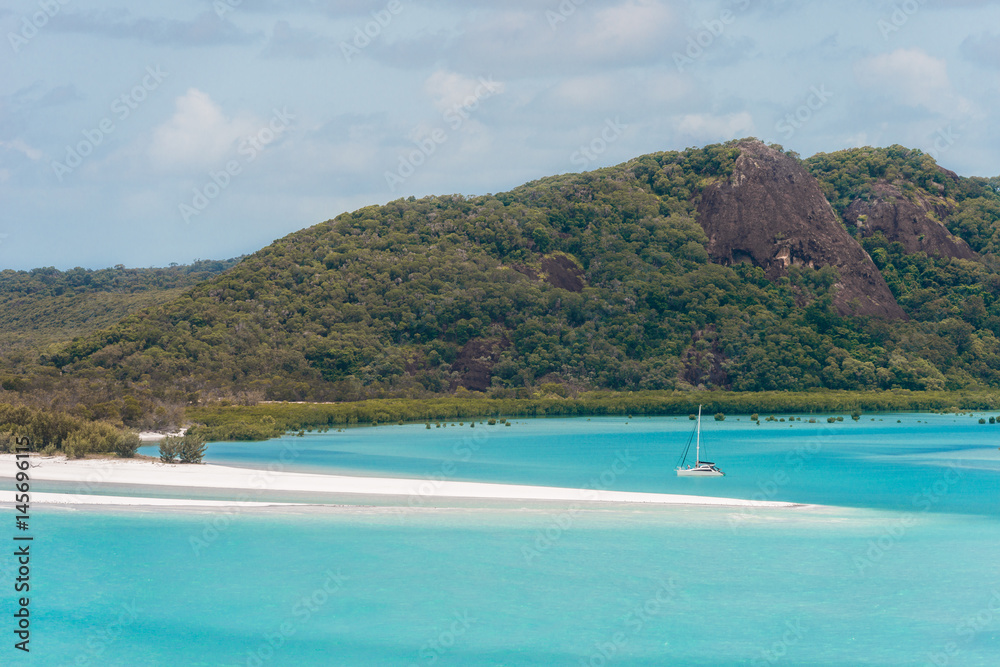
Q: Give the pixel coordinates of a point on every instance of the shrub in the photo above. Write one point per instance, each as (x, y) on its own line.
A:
(993, 420)
(192, 449)
(189, 448)
(719, 417)
(754, 417)
(982, 421)
(169, 449)
(126, 444)
(692, 417)
(831, 420)
(855, 416)
(77, 445)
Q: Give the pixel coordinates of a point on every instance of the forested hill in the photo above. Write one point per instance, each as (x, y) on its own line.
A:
(735, 266)
(46, 306)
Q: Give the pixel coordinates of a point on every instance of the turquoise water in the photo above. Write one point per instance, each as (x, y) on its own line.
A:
(872, 464)
(902, 570)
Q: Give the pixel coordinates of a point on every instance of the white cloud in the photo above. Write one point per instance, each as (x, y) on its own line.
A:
(549, 38)
(199, 134)
(450, 90)
(21, 147)
(915, 78)
(710, 128)
(587, 90)
(629, 27)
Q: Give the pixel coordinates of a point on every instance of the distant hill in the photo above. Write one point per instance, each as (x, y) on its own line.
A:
(734, 266)
(46, 306)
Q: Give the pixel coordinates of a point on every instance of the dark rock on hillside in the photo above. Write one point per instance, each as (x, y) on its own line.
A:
(914, 223)
(772, 212)
(703, 364)
(475, 363)
(560, 271)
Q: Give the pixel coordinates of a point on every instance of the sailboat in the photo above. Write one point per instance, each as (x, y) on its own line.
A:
(701, 468)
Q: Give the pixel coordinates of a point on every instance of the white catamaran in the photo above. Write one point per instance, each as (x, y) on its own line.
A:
(701, 468)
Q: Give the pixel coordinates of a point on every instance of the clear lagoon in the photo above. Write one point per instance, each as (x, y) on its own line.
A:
(899, 566)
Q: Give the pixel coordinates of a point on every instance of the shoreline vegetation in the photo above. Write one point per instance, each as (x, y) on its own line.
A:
(55, 432)
(270, 420)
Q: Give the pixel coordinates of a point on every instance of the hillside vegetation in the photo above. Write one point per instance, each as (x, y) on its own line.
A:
(581, 282)
(46, 306)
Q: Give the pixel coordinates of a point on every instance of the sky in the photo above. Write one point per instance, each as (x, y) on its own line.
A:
(149, 133)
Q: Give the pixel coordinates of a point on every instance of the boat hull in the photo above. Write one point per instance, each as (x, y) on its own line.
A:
(700, 472)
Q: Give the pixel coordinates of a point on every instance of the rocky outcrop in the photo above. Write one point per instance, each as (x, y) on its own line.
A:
(560, 271)
(913, 222)
(475, 363)
(772, 212)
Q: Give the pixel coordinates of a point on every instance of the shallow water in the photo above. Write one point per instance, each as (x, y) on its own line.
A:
(871, 464)
(901, 571)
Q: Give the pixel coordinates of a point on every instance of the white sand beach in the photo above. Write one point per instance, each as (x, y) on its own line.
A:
(90, 474)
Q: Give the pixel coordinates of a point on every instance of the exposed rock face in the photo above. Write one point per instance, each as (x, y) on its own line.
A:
(773, 213)
(475, 363)
(561, 272)
(911, 223)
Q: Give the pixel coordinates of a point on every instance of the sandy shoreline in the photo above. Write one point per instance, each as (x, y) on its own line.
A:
(90, 474)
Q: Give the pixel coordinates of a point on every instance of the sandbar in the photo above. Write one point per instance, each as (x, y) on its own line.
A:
(90, 474)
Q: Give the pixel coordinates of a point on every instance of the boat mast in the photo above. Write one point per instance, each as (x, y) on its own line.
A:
(697, 447)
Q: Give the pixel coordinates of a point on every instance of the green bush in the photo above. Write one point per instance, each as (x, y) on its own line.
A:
(77, 445)
(189, 448)
(169, 449)
(719, 417)
(127, 444)
(192, 449)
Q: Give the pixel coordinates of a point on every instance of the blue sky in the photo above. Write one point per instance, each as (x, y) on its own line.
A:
(157, 132)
